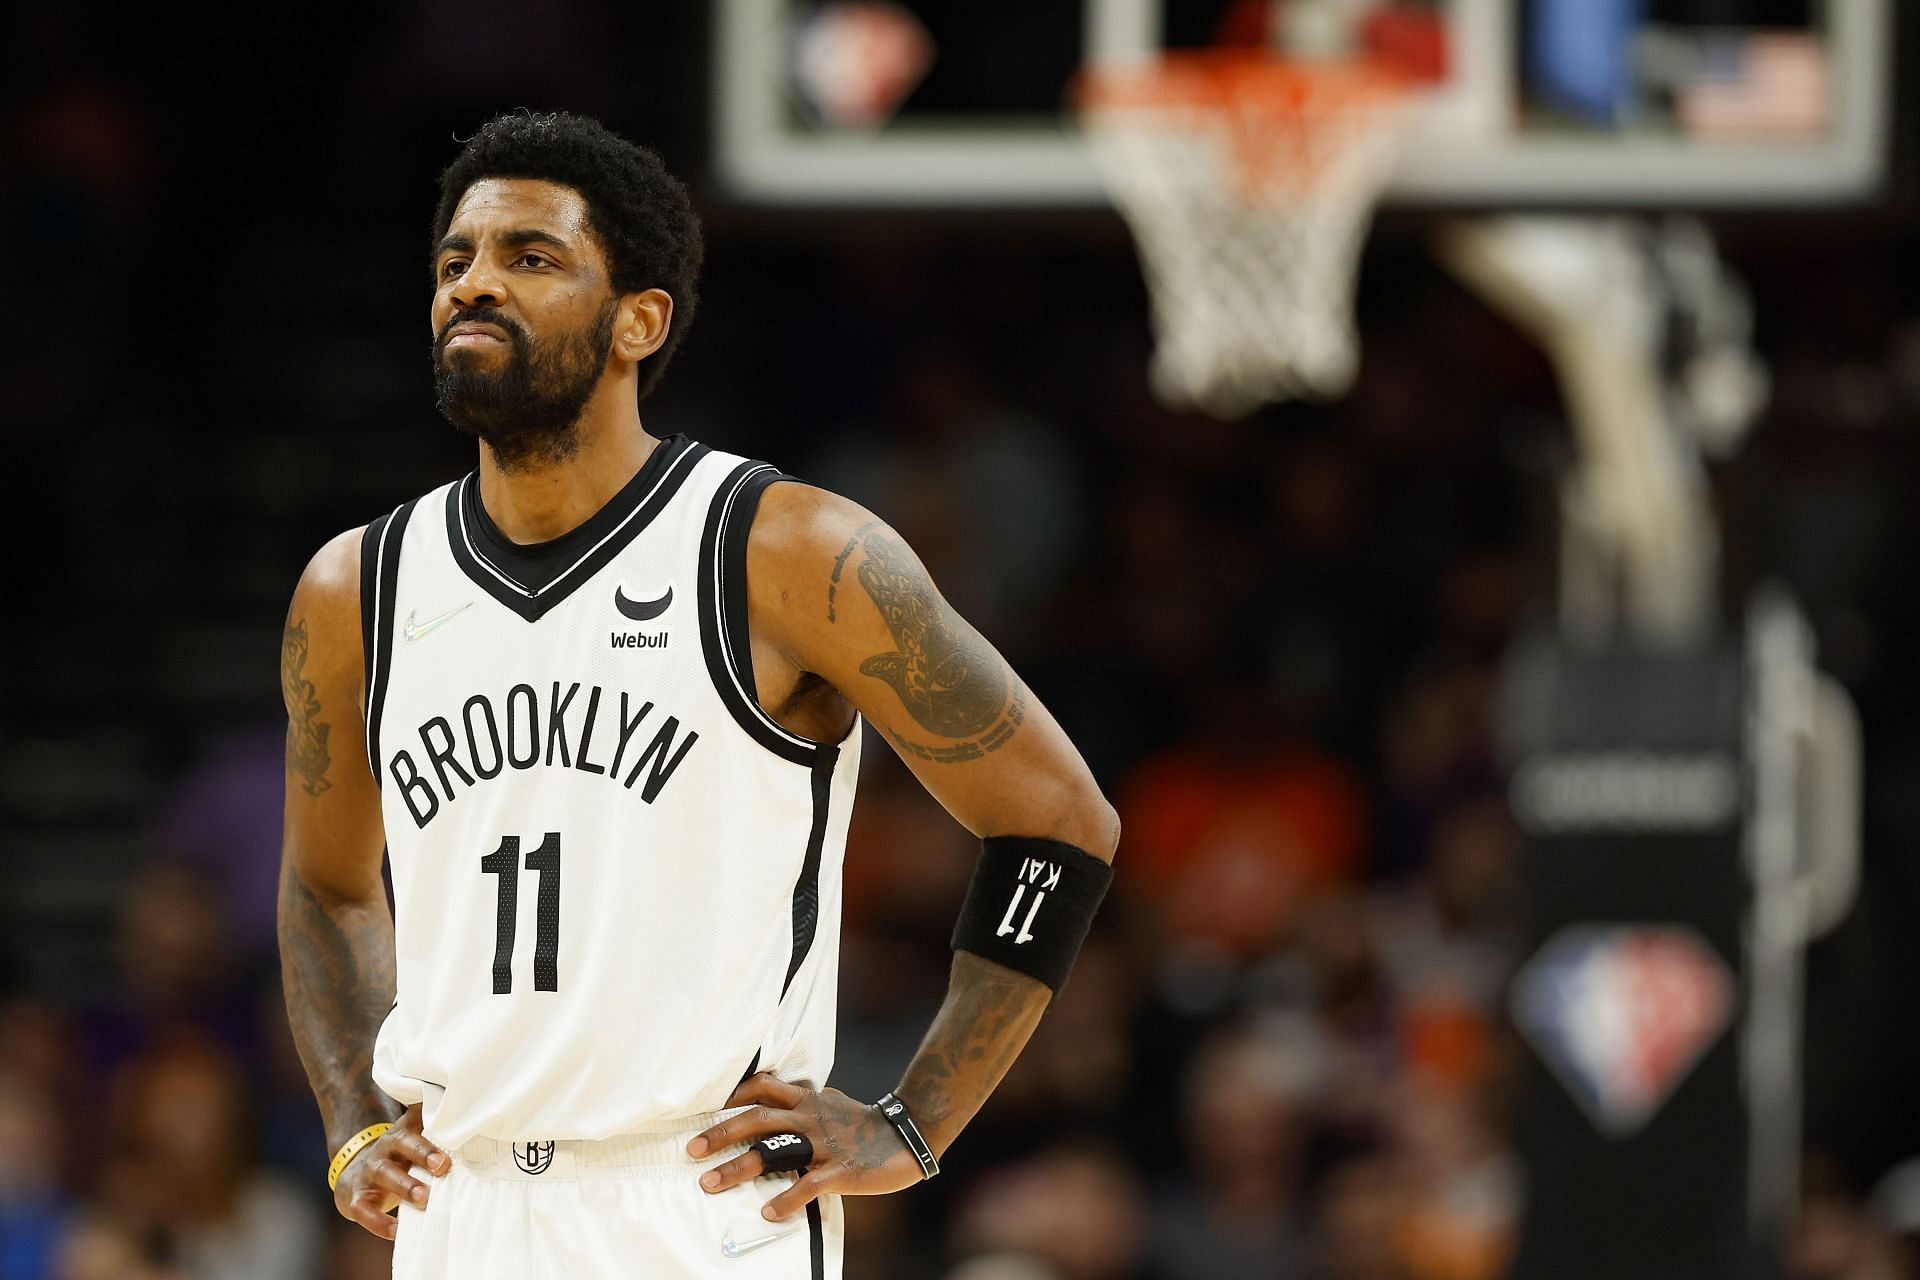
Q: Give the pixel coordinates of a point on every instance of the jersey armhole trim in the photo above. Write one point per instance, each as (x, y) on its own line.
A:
(369, 598)
(723, 614)
(806, 889)
(379, 586)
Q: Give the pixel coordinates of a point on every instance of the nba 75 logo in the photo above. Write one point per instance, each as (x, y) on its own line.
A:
(533, 1157)
(1032, 872)
(1622, 1013)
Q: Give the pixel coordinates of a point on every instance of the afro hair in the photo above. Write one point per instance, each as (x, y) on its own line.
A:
(640, 213)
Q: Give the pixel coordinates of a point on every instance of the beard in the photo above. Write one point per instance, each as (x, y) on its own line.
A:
(526, 410)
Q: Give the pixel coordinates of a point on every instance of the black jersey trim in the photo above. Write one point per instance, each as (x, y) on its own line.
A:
(723, 612)
(733, 578)
(806, 889)
(386, 572)
(369, 599)
(530, 579)
(806, 886)
(816, 1241)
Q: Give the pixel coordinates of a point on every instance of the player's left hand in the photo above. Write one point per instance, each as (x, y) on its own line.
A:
(856, 1152)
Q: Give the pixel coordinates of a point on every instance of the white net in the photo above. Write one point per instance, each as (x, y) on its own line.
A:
(1249, 188)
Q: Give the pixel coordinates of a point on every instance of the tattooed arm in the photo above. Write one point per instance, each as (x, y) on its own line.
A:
(336, 934)
(844, 617)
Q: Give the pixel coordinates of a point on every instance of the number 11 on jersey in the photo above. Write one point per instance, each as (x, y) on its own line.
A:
(505, 863)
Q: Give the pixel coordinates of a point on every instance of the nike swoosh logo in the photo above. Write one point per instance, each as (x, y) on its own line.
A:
(414, 630)
(641, 610)
(733, 1248)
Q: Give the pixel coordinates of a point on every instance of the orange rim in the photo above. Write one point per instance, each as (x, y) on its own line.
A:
(1285, 123)
(1238, 79)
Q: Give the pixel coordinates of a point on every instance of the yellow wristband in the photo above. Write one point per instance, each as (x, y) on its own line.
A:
(354, 1146)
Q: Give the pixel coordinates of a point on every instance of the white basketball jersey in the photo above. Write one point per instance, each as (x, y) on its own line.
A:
(616, 879)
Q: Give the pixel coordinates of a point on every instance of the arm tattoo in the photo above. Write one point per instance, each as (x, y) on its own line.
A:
(866, 1144)
(306, 732)
(989, 1013)
(336, 966)
(840, 563)
(952, 682)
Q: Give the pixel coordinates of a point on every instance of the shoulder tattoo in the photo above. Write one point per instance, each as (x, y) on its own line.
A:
(840, 563)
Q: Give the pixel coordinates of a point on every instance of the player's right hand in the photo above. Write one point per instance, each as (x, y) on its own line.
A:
(374, 1183)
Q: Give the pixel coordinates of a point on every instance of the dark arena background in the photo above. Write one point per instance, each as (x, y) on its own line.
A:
(1520, 778)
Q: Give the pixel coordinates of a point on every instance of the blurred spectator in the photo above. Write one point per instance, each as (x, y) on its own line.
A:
(1234, 831)
(1449, 937)
(1436, 747)
(175, 958)
(33, 1208)
(37, 1043)
(1355, 1018)
(1076, 1209)
(1171, 569)
(881, 1235)
(98, 1247)
(1364, 1204)
(223, 819)
(1460, 916)
(908, 862)
(984, 490)
(1245, 1214)
(182, 1165)
(176, 968)
(1835, 1239)
(1313, 614)
(1893, 1208)
(354, 1253)
(1001, 1266)
(1462, 1184)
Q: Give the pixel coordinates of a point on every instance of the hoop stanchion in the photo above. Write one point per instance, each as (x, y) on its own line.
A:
(1249, 181)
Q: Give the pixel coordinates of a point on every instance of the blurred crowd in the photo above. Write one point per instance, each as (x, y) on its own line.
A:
(1284, 1054)
(1278, 1056)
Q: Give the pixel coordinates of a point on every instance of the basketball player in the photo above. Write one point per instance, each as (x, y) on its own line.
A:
(599, 703)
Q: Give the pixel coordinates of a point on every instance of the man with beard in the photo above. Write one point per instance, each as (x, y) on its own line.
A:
(598, 700)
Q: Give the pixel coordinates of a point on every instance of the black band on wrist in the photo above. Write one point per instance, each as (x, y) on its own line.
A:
(896, 1113)
(1030, 905)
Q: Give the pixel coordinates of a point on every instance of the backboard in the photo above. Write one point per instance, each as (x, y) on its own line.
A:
(1568, 103)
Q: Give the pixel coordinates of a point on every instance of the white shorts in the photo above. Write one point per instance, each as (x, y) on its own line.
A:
(626, 1208)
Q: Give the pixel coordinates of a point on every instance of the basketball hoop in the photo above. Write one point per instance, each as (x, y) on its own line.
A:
(1249, 180)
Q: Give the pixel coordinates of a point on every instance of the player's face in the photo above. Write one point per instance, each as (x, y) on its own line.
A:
(523, 315)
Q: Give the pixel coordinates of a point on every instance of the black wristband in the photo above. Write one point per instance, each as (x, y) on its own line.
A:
(896, 1113)
(1030, 905)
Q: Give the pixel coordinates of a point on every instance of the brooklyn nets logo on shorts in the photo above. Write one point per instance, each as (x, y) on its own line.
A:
(533, 1157)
